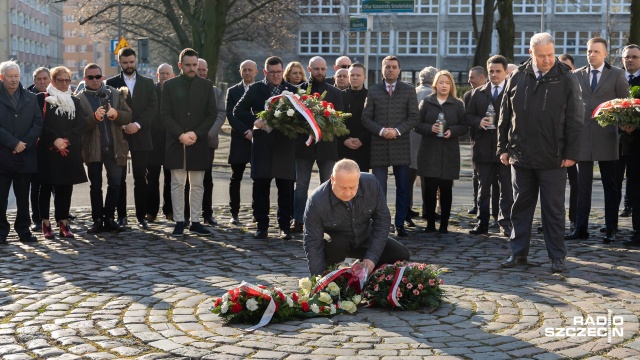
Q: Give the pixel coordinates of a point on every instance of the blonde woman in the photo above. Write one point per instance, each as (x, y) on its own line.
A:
(294, 74)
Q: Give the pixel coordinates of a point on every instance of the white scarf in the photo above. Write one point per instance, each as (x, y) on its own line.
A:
(62, 101)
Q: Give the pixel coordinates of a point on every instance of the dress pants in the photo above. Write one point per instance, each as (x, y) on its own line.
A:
(237, 172)
(153, 191)
(35, 206)
(621, 166)
(21, 191)
(431, 186)
(633, 183)
(178, 183)
(413, 175)
(401, 173)
(609, 185)
(61, 201)
(336, 250)
(551, 184)
(572, 174)
(304, 167)
(261, 202)
(490, 173)
(104, 210)
(139, 160)
(207, 197)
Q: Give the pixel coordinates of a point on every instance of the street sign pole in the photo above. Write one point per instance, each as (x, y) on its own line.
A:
(367, 42)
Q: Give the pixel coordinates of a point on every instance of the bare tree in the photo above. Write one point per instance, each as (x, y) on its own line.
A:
(506, 28)
(483, 38)
(634, 29)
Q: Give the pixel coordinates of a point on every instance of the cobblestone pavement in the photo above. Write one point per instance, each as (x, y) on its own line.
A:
(144, 295)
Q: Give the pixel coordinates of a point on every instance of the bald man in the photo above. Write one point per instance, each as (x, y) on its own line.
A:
(343, 62)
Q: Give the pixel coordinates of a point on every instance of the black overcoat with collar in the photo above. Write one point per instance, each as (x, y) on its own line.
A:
(485, 142)
(240, 148)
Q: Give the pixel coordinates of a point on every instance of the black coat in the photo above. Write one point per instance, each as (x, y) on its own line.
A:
(188, 105)
(627, 140)
(144, 107)
(272, 154)
(23, 123)
(240, 148)
(53, 168)
(353, 102)
(323, 150)
(158, 134)
(485, 142)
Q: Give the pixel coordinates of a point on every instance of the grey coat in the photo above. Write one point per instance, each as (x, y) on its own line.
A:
(399, 111)
(422, 92)
(600, 143)
(439, 157)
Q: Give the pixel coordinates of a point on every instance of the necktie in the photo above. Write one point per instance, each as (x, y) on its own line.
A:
(594, 80)
(495, 93)
(390, 89)
(630, 78)
(539, 75)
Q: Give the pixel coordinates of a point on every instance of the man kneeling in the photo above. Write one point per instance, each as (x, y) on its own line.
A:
(352, 210)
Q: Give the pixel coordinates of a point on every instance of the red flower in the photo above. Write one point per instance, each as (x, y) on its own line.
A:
(432, 282)
(317, 95)
(330, 105)
(327, 113)
(275, 99)
(404, 279)
(305, 97)
(416, 292)
(236, 308)
(375, 288)
(218, 302)
(409, 285)
(441, 282)
(281, 295)
(625, 104)
(636, 101)
(322, 308)
(305, 306)
(420, 286)
(295, 297)
(324, 104)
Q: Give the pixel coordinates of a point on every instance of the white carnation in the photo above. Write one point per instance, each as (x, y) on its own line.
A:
(252, 304)
(332, 308)
(224, 308)
(277, 113)
(315, 308)
(305, 284)
(225, 297)
(290, 112)
(289, 302)
(356, 299)
(348, 306)
(333, 288)
(325, 298)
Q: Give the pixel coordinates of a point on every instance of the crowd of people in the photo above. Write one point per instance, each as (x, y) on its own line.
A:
(530, 126)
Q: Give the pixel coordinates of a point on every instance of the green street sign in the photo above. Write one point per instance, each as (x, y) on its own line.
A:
(357, 24)
(371, 6)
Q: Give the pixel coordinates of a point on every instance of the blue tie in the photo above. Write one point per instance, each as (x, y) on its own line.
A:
(594, 80)
(539, 75)
(630, 78)
(495, 93)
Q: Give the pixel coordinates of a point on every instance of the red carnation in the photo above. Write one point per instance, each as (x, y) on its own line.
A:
(281, 295)
(322, 308)
(305, 306)
(324, 103)
(327, 113)
(305, 97)
(295, 298)
(330, 105)
(316, 95)
(275, 100)
(218, 301)
(432, 282)
(236, 308)
(441, 282)
(404, 279)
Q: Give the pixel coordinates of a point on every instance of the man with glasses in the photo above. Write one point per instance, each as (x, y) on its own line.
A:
(343, 62)
(103, 144)
(272, 153)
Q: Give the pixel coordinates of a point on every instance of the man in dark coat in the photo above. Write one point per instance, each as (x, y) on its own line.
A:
(484, 147)
(272, 153)
(390, 112)
(357, 144)
(241, 135)
(323, 153)
(20, 127)
(539, 135)
(144, 106)
(156, 157)
(631, 56)
(188, 111)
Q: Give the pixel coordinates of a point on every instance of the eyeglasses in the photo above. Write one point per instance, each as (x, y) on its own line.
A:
(631, 57)
(275, 73)
(91, 77)
(64, 81)
(344, 66)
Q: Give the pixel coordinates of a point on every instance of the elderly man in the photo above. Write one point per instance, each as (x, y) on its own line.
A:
(351, 209)
(341, 79)
(41, 79)
(342, 62)
(20, 127)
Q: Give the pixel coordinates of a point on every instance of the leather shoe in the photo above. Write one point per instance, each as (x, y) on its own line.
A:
(260, 234)
(473, 211)
(234, 220)
(443, 229)
(430, 229)
(557, 266)
(95, 228)
(110, 224)
(479, 230)
(285, 235)
(401, 232)
(513, 261)
(410, 222)
(609, 237)
(577, 234)
(123, 221)
(635, 241)
(297, 228)
(626, 212)
(36, 227)
(142, 224)
(28, 238)
(540, 229)
(210, 221)
(150, 218)
(413, 213)
(603, 229)
(506, 231)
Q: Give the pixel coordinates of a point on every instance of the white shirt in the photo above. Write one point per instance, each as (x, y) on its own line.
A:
(598, 75)
(635, 75)
(246, 86)
(131, 83)
(499, 86)
(535, 69)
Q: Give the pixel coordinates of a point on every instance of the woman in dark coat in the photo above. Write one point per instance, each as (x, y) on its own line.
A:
(59, 150)
(439, 157)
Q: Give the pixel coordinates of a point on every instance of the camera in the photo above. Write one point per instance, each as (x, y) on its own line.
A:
(105, 96)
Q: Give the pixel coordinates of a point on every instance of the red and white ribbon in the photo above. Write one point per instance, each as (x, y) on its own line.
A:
(327, 279)
(392, 297)
(271, 309)
(604, 105)
(304, 111)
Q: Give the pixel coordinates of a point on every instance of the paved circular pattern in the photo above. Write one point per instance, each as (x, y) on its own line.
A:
(144, 295)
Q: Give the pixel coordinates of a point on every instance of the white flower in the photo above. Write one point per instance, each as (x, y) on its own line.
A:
(305, 284)
(225, 297)
(348, 306)
(333, 288)
(315, 308)
(224, 308)
(277, 113)
(332, 309)
(252, 304)
(290, 112)
(356, 299)
(325, 298)
(289, 301)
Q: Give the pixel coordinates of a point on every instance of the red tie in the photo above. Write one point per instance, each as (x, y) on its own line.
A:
(390, 89)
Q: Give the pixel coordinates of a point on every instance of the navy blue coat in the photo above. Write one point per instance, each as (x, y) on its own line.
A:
(240, 148)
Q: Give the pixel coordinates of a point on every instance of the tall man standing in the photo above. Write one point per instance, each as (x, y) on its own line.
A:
(390, 112)
(241, 135)
(631, 57)
(144, 106)
(272, 153)
(20, 127)
(538, 134)
(188, 111)
(600, 82)
(357, 144)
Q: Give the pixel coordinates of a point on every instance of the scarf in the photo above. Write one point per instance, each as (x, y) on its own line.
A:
(62, 101)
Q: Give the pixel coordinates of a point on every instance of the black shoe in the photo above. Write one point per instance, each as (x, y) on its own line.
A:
(110, 224)
(626, 212)
(506, 231)
(297, 228)
(95, 228)
(557, 266)
(123, 222)
(71, 217)
(609, 237)
(210, 221)
(285, 235)
(635, 241)
(401, 232)
(430, 229)
(261, 234)
(198, 229)
(142, 224)
(169, 217)
(513, 261)
(479, 230)
(437, 217)
(410, 222)
(577, 234)
(28, 238)
(150, 218)
(234, 220)
(540, 229)
(603, 229)
(178, 230)
(443, 229)
(413, 213)
(36, 227)
(473, 210)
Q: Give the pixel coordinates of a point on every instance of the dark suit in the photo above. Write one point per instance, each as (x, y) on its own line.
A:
(353, 102)
(272, 156)
(156, 164)
(599, 144)
(22, 123)
(240, 148)
(144, 107)
(633, 171)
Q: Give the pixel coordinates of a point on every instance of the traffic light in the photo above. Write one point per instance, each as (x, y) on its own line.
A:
(143, 50)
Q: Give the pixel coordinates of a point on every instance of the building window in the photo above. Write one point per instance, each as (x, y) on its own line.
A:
(380, 43)
(355, 6)
(319, 7)
(417, 43)
(526, 7)
(573, 42)
(69, 48)
(425, 7)
(70, 63)
(356, 43)
(620, 6)
(82, 48)
(522, 41)
(463, 7)
(319, 42)
(578, 6)
(69, 18)
(618, 40)
(460, 43)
